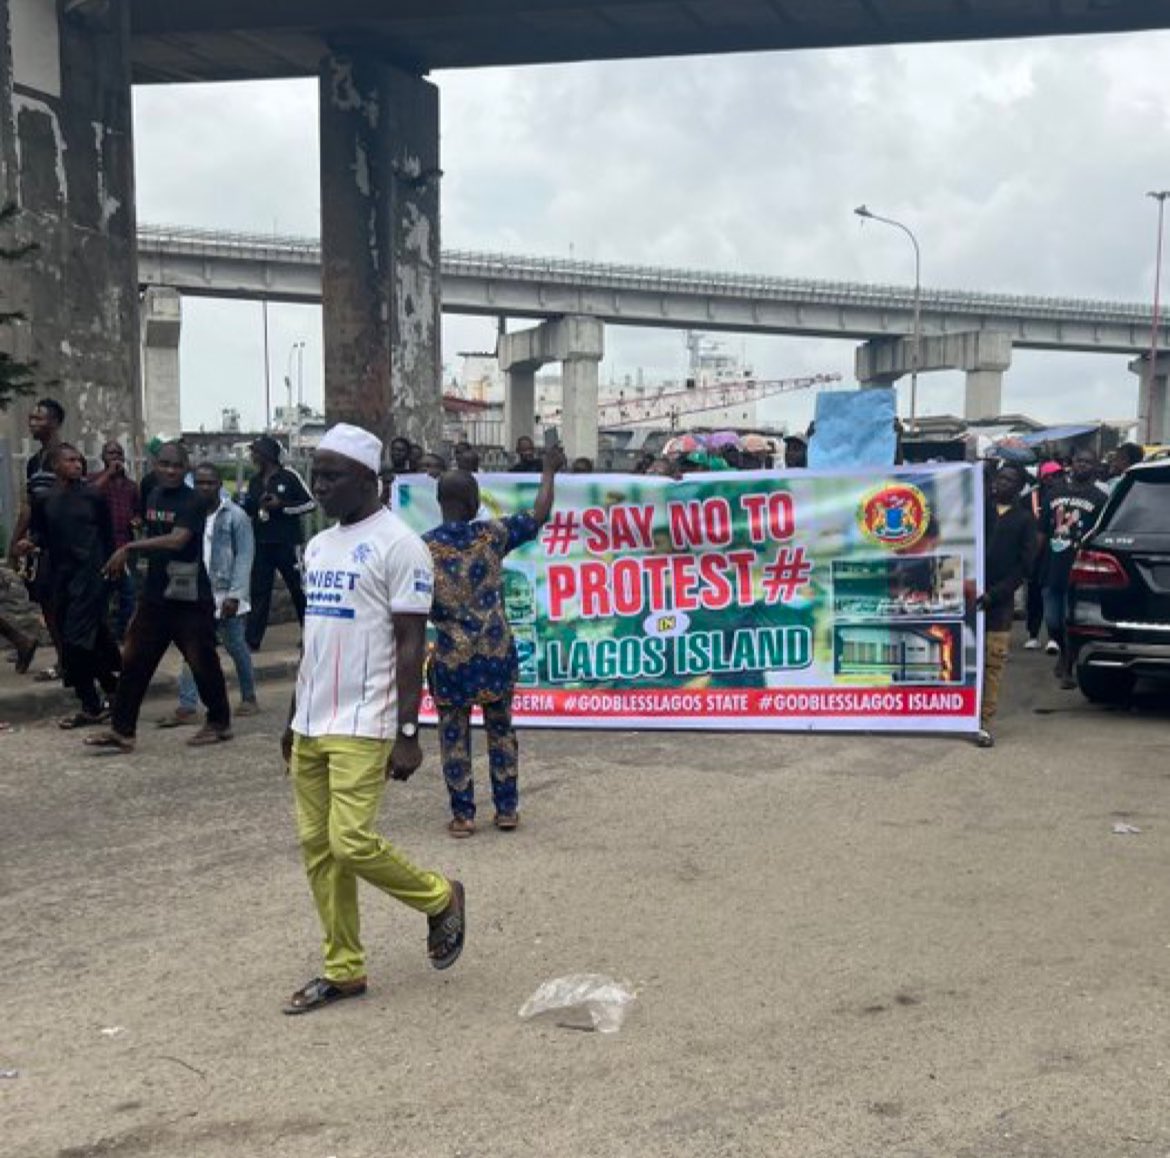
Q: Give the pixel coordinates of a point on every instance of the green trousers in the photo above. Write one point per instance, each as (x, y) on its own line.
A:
(338, 783)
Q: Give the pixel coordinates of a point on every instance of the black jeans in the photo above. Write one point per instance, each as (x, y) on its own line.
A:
(1035, 607)
(88, 668)
(155, 626)
(270, 558)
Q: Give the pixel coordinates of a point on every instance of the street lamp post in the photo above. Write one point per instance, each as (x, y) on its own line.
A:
(1146, 432)
(916, 346)
(294, 416)
(267, 370)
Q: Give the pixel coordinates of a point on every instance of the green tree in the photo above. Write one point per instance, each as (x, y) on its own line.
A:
(16, 377)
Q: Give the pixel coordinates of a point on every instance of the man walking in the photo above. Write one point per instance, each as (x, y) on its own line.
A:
(176, 607)
(44, 425)
(475, 660)
(1010, 556)
(228, 550)
(355, 714)
(71, 525)
(1047, 477)
(1067, 514)
(124, 500)
(276, 499)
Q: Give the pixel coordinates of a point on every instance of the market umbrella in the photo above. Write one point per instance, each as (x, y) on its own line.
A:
(722, 438)
(682, 444)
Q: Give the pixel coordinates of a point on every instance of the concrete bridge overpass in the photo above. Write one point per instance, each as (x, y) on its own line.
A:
(969, 330)
(220, 264)
(184, 40)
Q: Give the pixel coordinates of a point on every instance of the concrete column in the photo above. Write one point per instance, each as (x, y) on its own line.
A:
(577, 342)
(162, 319)
(519, 405)
(66, 163)
(1153, 399)
(380, 248)
(983, 354)
(579, 378)
(984, 394)
(876, 363)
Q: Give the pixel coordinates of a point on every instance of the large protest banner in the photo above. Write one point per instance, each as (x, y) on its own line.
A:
(805, 600)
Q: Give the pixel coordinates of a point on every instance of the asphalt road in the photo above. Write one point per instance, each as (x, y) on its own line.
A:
(842, 946)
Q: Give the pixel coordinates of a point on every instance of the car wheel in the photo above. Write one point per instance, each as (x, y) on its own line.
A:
(1105, 687)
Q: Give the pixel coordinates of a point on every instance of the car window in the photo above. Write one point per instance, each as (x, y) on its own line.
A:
(1145, 507)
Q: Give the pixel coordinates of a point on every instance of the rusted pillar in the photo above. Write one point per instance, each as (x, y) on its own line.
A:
(66, 163)
(380, 248)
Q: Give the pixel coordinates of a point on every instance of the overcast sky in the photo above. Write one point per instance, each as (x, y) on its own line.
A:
(1022, 167)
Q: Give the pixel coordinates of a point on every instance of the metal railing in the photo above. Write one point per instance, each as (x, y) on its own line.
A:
(576, 274)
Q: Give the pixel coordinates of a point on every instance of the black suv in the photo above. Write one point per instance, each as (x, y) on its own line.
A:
(1119, 590)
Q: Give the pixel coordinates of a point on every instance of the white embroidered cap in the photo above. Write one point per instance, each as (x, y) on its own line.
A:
(354, 443)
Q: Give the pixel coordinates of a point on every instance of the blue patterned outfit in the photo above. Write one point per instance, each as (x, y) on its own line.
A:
(474, 659)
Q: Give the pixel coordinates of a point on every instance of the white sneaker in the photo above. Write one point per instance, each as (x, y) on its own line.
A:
(1033, 644)
(1052, 647)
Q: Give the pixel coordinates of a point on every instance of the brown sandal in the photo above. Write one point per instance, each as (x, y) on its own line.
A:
(461, 827)
(208, 735)
(111, 740)
(507, 821)
(83, 720)
(179, 719)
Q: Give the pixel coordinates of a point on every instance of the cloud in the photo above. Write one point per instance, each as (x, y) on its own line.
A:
(1022, 167)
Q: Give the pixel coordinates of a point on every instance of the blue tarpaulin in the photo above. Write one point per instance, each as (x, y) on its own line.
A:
(854, 428)
(1054, 434)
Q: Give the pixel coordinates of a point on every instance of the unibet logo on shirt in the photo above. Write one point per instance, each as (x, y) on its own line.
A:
(357, 578)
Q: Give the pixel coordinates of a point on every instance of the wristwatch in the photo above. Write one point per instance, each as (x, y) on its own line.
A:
(408, 731)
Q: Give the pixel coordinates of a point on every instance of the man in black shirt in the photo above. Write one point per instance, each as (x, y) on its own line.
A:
(1067, 514)
(71, 525)
(277, 498)
(44, 424)
(177, 606)
(527, 460)
(1010, 554)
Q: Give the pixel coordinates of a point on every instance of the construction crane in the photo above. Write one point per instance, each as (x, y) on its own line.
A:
(671, 405)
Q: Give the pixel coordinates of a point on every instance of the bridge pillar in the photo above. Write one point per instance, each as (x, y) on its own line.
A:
(579, 344)
(579, 385)
(519, 404)
(162, 319)
(380, 248)
(1153, 399)
(66, 165)
(983, 394)
(983, 354)
(878, 363)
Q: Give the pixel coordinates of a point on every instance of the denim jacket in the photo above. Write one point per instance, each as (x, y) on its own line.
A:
(232, 550)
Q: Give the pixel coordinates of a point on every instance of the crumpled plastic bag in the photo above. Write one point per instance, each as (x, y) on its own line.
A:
(605, 1000)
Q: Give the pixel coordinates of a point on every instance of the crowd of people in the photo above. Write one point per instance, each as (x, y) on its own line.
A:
(685, 454)
(364, 592)
(1035, 524)
(209, 562)
(1036, 519)
(207, 573)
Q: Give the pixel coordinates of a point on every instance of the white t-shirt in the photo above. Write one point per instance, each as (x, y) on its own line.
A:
(355, 578)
